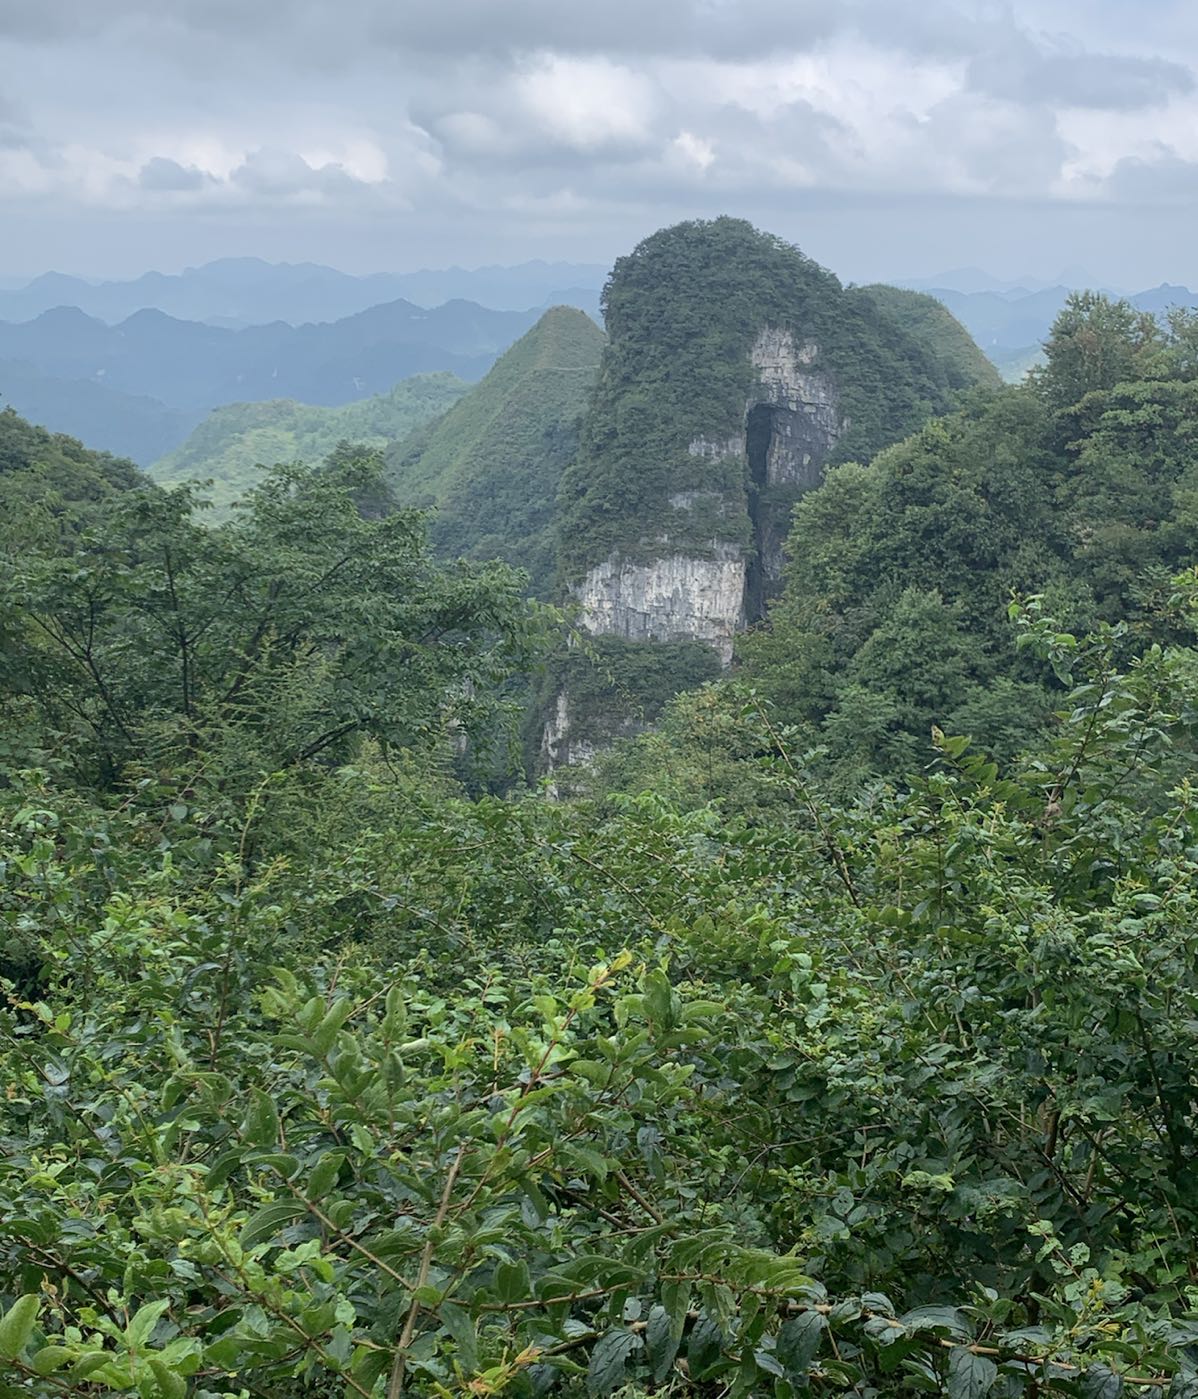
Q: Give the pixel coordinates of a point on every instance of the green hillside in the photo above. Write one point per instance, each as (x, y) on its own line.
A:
(491, 465)
(234, 443)
(51, 484)
(958, 356)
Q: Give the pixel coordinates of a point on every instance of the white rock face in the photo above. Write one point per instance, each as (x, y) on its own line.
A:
(716, 451)
(808, 420)
(675, 598)
(681, 596)
(557, 748)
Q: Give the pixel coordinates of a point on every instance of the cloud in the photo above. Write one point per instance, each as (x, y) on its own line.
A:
(1164, 179)
(1020, 70)
(223, 114)
(160, 173)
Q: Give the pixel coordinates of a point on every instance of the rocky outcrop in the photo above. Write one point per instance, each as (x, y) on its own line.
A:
(803, 409)
(675, 598)
(560, 745)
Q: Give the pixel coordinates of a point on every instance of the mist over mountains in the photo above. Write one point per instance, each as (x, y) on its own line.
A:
(250, 291)
(134, 366)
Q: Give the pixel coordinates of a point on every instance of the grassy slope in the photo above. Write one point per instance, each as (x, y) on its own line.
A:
(491, 465)
(233, 443)
(929, 321)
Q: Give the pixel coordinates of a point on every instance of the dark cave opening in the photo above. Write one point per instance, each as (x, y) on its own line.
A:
(759, 434)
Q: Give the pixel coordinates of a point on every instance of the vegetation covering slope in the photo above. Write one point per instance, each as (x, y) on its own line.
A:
(320, 1077)
(492, 464)
(235, 444)
(683, 311)
(1079, 486)
(50, 484)
(959, 359)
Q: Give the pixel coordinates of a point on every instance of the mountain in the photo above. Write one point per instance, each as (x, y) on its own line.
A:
(999, 321)
(736, 370)
(491, 465)
(960, 360)
(188, 368)
(249, 291)
(231, 445)
(129, 425)
(1011, 324)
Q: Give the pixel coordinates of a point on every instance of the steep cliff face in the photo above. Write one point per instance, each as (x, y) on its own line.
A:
(736, 371)
(668, 599)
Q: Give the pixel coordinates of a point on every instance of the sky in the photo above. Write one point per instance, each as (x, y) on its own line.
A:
(888, 138)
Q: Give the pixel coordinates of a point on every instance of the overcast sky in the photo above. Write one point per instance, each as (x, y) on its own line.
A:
(886, 137)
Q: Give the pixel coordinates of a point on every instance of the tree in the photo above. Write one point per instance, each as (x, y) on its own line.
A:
(1095, 343)
(279, 640)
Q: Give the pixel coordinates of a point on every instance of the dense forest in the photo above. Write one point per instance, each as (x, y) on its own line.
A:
(838, 1037)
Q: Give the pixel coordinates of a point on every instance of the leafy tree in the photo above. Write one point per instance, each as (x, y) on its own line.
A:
(274, 642)
(1095, 344)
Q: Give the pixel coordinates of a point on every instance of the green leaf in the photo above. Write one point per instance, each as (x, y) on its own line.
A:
(89, 1364)
(269, 1220)
(326, 1032)
(222, 1168)
(260, 1126)
(51, 1358)
(16, 1325)
(798, 1341)
(605, 1372)
(460, 1325)
(969, 1376)
(661, 1343)
(139, 1330)
(170, 1385)
(947, 1319)
(1101, 1383)
(324, 1175)
(512, 1282)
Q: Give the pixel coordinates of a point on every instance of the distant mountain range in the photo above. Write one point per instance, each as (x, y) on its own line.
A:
(1010, 323)
(248, 291)
(139, 387)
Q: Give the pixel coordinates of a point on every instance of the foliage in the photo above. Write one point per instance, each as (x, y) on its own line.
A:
(235, 445)
(959, 359)
(894, 611)
(217, 657)
(53, 476)
(892, 1098)
(491, 465)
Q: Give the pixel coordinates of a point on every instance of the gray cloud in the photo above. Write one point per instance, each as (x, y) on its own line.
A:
(281, 174)
(167, 175)
(1019, 70)
(574, 120)
(370, 30)
(1166, 179)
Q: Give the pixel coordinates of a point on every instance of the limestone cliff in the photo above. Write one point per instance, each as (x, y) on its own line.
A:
(736, 370)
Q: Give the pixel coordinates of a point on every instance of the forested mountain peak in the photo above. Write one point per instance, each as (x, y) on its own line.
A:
(737, 370)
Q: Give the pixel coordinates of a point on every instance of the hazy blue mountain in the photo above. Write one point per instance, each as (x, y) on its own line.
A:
(1010, 324)
(248, 291)
(127, 425)
(974, 279)
(1164, 298)
(74, 373)
(190, 365)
